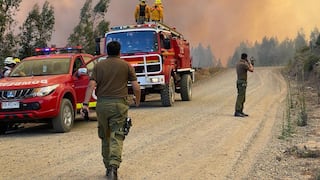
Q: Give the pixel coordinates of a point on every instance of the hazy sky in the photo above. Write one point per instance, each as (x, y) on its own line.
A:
(222, 24)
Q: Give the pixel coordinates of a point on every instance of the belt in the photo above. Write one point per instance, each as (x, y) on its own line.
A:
(111, 99)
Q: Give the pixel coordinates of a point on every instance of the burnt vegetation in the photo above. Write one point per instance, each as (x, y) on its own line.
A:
(301, 120)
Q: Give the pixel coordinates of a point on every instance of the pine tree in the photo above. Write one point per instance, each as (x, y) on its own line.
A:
(318, 40)
(92, 24)
(8, 9)
(37, 29)
(300, 40)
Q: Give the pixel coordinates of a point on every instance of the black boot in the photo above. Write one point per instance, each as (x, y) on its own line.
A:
(112, 173)
(107, 172)
(244, 114)
(239, 114)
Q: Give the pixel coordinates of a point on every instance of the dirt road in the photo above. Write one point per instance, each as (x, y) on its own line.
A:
(200, 139)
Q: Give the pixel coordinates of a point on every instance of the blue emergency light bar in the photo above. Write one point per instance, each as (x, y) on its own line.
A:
(159, 26)
(76, 49)
(133, 26)
(47, 50)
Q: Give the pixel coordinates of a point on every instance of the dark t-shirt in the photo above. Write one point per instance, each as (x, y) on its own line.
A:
(112, 76)
(242, 69)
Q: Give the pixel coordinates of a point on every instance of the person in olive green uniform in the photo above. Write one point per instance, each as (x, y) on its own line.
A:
(110, 78)
(242, 67)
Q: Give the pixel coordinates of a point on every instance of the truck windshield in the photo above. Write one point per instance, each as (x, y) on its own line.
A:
(41, 67)
(135, 41)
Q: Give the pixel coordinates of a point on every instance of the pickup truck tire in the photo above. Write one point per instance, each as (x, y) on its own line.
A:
(186, 87)
(168, 93)
(143, 97)
(3, 128)
(64, 121)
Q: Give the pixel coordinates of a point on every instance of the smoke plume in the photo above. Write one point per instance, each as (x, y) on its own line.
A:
(222, 25)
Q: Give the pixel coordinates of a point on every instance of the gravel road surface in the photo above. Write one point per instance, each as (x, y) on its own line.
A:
(198, 139)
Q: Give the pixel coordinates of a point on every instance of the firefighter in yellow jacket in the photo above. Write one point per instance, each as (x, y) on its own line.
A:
(157, 11)
(158, 2)
(142, 12)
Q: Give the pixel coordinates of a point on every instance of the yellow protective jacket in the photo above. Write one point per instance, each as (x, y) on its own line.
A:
(157, 13)
(137, 11)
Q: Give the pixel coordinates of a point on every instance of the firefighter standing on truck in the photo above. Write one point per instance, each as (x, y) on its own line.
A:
(157, 11)
(142, 12)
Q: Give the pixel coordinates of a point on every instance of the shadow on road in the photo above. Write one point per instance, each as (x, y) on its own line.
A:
(43, 129)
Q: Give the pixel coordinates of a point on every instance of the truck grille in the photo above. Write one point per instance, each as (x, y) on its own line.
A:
(150, 68)
(15, 94)
(149, 64)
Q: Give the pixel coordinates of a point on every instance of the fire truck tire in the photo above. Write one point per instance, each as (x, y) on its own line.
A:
(168, 93)
(64, 121)
(186, 87)
(3, 128)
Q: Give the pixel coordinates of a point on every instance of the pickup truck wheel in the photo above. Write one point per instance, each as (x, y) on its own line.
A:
(168, 93)
(64, 121)
(186, 87)
(3, 128)
(143, 97)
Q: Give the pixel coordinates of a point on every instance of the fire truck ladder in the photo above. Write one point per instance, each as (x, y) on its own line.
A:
(167, 28)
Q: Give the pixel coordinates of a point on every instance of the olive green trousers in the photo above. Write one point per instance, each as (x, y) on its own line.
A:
(111, 115)
(241, 97)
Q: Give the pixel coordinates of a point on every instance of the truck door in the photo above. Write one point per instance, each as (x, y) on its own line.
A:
(80, 82)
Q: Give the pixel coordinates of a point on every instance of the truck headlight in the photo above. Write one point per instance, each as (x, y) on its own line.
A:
(44, 91)
(155, 79)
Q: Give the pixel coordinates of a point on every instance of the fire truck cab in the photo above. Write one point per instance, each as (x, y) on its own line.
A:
(160, 56)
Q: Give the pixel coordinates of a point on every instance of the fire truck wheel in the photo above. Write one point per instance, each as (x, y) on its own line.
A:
(64, 121)
(186, 87)
(168, 93)
(3, 128)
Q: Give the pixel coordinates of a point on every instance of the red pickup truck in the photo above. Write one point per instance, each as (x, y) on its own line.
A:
(46, 88)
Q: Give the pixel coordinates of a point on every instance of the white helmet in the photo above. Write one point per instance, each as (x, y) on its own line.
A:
(9, 60)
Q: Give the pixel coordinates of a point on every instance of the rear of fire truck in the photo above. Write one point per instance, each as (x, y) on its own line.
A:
(160, 56)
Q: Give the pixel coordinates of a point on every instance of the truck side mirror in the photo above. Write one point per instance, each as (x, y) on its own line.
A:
(166, 43)
(82, 72)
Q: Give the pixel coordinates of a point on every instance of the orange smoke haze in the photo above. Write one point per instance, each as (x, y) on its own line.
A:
(220, 24)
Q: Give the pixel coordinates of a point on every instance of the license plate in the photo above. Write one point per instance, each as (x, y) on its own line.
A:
(10, 105)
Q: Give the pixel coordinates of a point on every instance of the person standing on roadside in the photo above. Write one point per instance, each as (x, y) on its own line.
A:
(242, 67)
(110, 78)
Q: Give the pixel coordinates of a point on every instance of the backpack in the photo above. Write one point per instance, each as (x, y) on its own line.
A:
(142, 10)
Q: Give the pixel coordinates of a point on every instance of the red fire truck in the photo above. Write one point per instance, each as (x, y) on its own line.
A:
(160, 56)
(46, 88)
